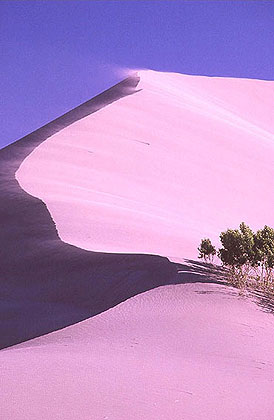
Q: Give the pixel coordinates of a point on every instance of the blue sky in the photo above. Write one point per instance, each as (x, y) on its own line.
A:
(57, 54)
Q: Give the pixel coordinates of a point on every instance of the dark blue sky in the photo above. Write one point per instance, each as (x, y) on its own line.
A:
(57, 54)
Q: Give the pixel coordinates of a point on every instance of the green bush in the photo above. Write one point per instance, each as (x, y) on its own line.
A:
(206, 250)
(264, 254)
(248, 256)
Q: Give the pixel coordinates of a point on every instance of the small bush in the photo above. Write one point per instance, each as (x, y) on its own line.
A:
(248, 256)
(207, 250)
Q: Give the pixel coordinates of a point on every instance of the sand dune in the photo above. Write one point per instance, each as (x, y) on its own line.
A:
(148, 167)
(190, 352)
(44, 279)
(183, 158)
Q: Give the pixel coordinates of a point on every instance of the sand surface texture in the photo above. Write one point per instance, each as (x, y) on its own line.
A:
(185, 157)
(185, 352)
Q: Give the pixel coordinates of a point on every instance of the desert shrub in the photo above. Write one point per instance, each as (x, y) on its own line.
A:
(238, 253)
(248, 256)
(264, 256)
(206, 250)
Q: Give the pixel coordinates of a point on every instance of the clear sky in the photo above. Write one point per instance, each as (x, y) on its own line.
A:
(57, 54)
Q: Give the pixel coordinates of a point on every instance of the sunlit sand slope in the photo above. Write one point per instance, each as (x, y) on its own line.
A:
(182, 158)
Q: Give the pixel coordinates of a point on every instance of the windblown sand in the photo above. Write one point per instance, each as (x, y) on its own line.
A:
(185, 157)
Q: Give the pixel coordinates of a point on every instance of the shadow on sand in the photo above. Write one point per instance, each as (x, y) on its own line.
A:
(199, 272)
(46, 284)
(263, 300)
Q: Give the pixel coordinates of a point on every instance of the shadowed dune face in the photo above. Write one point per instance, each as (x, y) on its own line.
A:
(45, 283)
(190, 351)
(183, 158)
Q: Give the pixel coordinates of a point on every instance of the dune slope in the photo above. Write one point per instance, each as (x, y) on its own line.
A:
(183, 158)
(191, 352)
(46, 284)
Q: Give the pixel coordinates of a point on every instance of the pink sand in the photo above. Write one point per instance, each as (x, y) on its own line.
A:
(192, 352)
(208, 166)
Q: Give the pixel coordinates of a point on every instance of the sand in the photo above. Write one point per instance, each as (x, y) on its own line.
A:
(190, 352)
(183, 158)
(43, 278)
(152, 171)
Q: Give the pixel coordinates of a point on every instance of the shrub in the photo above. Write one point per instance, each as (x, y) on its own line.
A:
(206, 250)
(264, 254)
(248, 256)
(232, 253)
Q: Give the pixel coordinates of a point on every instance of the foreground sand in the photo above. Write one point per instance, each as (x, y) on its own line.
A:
(190, 352)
